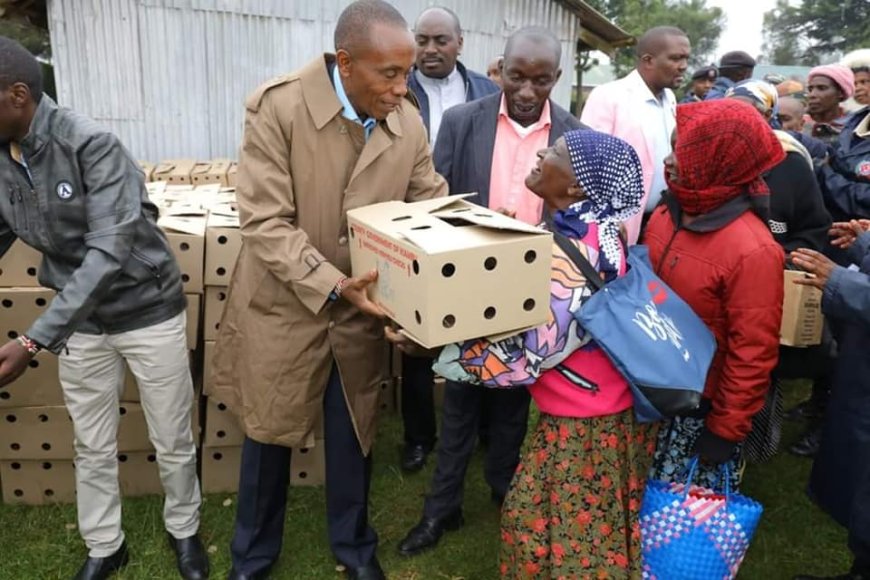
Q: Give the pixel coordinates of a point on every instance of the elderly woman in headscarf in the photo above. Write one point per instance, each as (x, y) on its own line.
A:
(798, 219)
(572, 509)
(711, 244)
(828, 86)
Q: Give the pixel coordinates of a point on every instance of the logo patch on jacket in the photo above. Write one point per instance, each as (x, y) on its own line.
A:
(64, 190)
(778, 227)
(863, 169)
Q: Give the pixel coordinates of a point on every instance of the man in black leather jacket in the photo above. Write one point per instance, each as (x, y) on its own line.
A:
(71, 191)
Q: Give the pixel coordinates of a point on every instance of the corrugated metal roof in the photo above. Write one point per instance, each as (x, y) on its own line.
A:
(600, 33)
(169, 77)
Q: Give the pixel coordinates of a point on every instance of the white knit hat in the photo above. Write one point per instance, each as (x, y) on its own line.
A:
(857, 58)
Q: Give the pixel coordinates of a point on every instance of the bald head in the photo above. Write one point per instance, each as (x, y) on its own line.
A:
(655, 40)
(791, 113)
(438, 37)
(530, 70)
(353, 31)
(662, 58)
(536, 36)
(439, 14)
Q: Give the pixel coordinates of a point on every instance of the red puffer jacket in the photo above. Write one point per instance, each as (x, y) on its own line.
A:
(730, 273)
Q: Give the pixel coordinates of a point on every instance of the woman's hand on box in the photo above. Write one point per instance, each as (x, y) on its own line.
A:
(820, 266)
(844, 234)
(408, 346)
(355, 291)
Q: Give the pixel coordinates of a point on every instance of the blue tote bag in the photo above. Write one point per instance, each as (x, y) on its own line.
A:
(650, 334)
(694, 533)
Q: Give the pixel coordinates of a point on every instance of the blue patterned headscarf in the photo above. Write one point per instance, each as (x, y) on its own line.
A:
(608, 171)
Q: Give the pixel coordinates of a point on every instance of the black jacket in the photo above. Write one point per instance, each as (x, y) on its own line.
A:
(476, 87)
(798, 218)
(81, 201)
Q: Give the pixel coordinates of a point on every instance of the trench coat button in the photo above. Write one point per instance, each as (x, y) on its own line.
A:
(331, 325)
(342, 241)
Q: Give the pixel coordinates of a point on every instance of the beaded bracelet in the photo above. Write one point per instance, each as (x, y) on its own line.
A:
(339, 288)
(29, 345)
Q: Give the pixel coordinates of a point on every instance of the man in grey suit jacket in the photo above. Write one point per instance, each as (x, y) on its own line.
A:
(488, 146)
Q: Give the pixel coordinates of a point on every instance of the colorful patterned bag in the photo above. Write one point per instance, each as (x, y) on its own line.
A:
(694, 533)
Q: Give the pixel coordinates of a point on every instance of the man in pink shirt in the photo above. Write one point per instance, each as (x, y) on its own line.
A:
(488, 147)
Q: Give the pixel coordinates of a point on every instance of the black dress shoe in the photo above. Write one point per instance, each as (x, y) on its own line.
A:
(808, 445)
(101, 568)
(414, 457)
(426, 534)
(371, 571)
(190, 557)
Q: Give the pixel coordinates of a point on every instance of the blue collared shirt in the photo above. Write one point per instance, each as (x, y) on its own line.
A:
(349, 112)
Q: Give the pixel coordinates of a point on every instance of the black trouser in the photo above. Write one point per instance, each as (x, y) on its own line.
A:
(265, 473)
(508, 414)
(418, 404)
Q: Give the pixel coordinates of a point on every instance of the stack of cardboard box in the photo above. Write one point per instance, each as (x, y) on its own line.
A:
(36, 433)
(199, 215)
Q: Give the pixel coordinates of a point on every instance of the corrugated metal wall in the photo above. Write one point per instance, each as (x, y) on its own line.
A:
(169, 77)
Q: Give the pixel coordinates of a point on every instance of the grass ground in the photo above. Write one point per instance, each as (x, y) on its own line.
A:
(42, 542)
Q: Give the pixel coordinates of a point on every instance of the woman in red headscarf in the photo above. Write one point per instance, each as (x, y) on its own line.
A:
(711, 244)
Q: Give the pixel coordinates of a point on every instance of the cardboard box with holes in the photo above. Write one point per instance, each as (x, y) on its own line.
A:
(44, 481)
(174, 171)
(19, 266)
(223, 242)
(449, 270)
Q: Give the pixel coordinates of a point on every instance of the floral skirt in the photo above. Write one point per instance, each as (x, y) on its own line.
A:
(674, 453)
(572, 508)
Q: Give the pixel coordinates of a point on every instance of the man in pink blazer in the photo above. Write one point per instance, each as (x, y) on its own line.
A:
(640, 108)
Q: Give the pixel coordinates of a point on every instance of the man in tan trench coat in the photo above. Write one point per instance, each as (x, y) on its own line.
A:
(299, 339)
